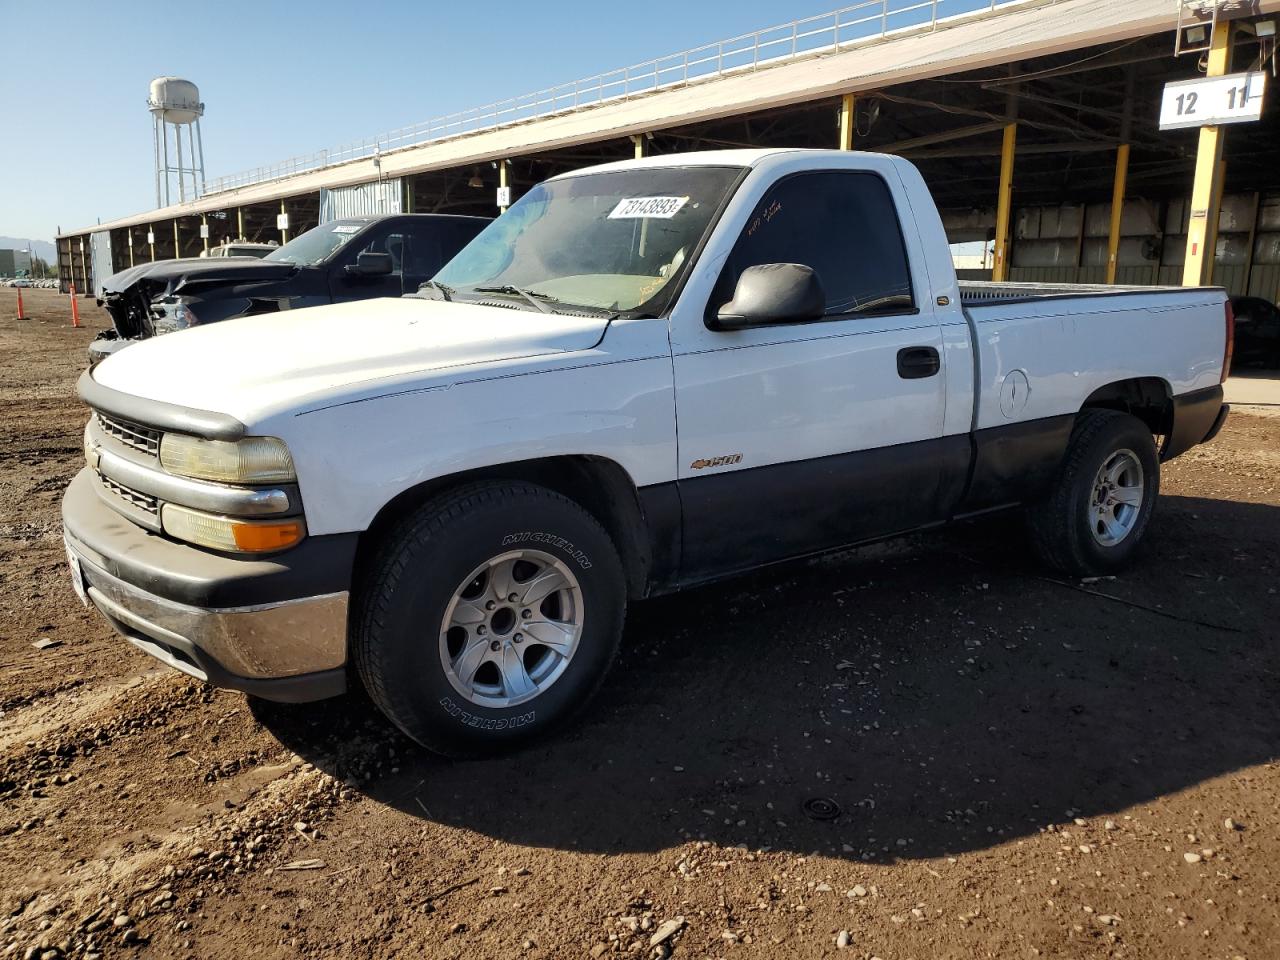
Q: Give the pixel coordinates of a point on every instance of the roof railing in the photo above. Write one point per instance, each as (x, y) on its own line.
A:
(830, 32)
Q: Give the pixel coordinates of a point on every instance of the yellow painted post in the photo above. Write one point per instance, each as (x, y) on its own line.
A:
(502, 180)
(240, 223)
(131, 246)
(151, 240)
(284, 234)
(1117, 211)
(1206, 189)
(1211, 235)
(1004, 204)
(637, 140)
(177, 250)
(847, 104)
(204, 224)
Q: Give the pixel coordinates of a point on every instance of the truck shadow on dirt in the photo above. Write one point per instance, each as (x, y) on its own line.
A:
(944, 695)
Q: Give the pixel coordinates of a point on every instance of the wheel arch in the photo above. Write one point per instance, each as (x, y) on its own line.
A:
(599, 485)
(1150, 399)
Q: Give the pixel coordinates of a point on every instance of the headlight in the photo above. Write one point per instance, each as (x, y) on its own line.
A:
(231, 535)
(185, 316)
(251, 460)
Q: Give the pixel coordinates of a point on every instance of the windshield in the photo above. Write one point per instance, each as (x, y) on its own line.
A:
(609, 241)
(319, 243)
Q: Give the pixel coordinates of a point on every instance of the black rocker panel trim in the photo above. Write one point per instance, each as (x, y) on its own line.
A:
(1195, 415)
(1016, 462)
(742, 519)
(660, 508)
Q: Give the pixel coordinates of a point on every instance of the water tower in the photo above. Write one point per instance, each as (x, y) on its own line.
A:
(175, 103)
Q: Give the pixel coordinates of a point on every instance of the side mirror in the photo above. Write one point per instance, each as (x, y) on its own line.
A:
(371, 265)
(772, 293)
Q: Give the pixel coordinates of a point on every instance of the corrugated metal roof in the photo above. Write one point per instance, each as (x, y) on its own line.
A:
(1005, 35)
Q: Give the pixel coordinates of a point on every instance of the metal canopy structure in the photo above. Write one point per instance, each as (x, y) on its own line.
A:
(1035, 103)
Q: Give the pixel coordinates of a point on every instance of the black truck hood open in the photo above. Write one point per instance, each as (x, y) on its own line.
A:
(172, 275)
(128, 295)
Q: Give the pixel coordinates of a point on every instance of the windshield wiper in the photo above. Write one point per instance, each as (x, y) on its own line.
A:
(446, 291)
(537, 299)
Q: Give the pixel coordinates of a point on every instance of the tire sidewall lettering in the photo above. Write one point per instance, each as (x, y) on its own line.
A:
(551, 540)
(468, 719)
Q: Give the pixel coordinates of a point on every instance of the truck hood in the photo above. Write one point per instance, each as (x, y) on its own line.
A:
(259, 366)
(128, 295)
(170, 275)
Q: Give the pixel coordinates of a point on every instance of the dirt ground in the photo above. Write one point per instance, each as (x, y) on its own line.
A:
(1018, 767)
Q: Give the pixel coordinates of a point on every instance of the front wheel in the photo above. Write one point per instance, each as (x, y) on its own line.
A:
(489, 618)
(1096, 512)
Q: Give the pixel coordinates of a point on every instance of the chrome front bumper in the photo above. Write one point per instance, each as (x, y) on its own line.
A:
(294, 650)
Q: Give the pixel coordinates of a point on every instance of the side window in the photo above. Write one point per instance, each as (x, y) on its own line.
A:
(842, 225)
(381, 242)
(423, 253)
(460, 233)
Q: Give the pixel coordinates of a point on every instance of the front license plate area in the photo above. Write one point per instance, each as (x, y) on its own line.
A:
(77, 577)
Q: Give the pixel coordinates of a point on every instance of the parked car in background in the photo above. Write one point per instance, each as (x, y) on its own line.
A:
(240, 248)
(643, 376)
(357, 258)
(1257, 331)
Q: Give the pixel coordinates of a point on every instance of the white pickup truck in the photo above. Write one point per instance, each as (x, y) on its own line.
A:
(643, 376)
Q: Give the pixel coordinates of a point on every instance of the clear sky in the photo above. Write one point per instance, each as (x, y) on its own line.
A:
(280, 79)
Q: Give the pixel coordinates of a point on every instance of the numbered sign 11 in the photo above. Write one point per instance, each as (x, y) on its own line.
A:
(1210, 101)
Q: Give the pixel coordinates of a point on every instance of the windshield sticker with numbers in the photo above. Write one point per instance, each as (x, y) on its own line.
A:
(346, 228)
(655, 208)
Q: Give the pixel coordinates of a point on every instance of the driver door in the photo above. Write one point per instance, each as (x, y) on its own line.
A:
(800, 437)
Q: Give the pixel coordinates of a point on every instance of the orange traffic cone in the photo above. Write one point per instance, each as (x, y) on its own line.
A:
(21, 315)
(75, 308)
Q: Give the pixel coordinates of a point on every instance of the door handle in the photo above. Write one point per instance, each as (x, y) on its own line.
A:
(915, 363)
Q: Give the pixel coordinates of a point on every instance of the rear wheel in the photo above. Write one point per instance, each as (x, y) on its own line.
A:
(1093, 519)
(490, 617)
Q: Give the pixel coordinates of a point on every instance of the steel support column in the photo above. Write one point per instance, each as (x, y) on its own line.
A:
(177, 250)
(1253, 239)
(1206, 190)
(1121, 176)
(240, 223)
(131, 246)
(502, 180)
(1117, 211)
(1004, 204)
(637, 140)
(151, 240)
(847, 104)
(204, 229)
(284, 234)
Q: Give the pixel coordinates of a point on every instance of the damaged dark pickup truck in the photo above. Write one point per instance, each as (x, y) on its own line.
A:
(353, 259)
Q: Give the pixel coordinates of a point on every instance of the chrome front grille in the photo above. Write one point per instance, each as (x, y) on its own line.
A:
(130, 434)
(130, 496)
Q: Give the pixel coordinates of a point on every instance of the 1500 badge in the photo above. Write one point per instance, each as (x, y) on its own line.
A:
(726, 461)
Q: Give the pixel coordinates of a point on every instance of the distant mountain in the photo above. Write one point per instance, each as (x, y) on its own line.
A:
(43, 249)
